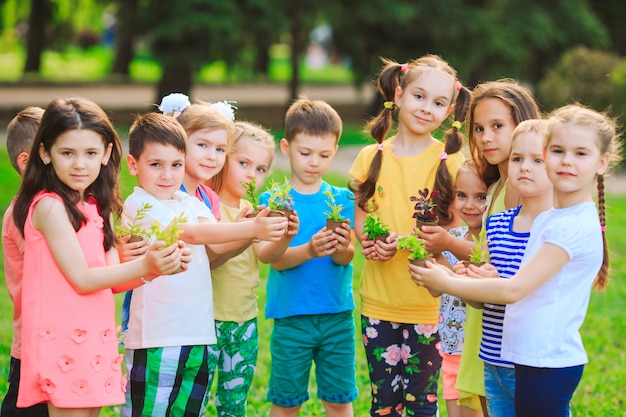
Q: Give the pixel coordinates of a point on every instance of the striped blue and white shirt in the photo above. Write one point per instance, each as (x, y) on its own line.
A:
(506, 249)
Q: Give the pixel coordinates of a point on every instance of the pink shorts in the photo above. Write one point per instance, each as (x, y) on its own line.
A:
(449, 371)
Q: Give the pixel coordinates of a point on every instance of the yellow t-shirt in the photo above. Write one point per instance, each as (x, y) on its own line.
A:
(234, 281)
(387, 291)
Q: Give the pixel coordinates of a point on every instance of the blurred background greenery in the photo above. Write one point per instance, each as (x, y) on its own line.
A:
(565, 50)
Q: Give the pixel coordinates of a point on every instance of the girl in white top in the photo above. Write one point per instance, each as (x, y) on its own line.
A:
(566, 256)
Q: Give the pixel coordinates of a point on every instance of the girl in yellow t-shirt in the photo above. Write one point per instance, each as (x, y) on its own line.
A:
(399, 319)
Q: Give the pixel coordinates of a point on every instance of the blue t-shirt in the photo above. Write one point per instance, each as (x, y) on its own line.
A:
(506, 249)
(318, 286)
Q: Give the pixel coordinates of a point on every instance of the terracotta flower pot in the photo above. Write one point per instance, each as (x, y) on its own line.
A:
(382, 238)
(135, 238)
(420, 223)
(280, 213)
(421, 262)
(251, 215)
(468, 263)
(332, 225)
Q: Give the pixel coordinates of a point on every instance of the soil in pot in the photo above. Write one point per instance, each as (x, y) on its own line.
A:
(421, 262)
(332, 225)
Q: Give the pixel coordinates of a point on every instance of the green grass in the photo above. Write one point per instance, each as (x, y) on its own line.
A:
(599, 394)
(93, 64)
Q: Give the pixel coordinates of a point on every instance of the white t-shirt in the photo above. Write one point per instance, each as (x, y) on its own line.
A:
(542, 329)
(172, 310)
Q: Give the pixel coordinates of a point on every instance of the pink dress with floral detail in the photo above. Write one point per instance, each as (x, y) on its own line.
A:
(69, 341)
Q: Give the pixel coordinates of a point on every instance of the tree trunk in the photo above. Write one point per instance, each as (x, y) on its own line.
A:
(125, 33)
(262, 59)
(298, 36)
(177, 78)
(40, 15)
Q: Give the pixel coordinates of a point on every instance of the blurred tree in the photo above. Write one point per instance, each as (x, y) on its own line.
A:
(127, 27)
(187, 34)
(259, 34)
(613, 15)
(41, 12)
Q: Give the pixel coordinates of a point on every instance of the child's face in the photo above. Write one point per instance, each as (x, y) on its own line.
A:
(470, 198)
(310, 157)
(206, 153)
(160, 170)
(493, 129)
(573, 159)
(250, 161)
(426, 101)
(527, 170)
(77, 156)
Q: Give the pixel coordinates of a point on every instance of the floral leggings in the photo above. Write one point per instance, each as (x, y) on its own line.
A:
(404, 367)
(237, 347)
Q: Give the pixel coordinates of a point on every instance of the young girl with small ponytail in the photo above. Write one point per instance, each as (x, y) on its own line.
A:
(399, 323)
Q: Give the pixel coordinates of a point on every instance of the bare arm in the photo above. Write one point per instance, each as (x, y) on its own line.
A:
(439, 239)
(68, 253)
(532, 274)
(268, 252)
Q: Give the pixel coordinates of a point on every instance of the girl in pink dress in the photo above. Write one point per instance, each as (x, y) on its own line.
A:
(64, 210)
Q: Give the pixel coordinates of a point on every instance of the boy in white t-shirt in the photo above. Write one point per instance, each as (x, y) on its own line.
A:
(171, 322)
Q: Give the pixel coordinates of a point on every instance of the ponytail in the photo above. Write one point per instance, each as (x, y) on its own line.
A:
(453, 144)
(602, 279)
(388, 80)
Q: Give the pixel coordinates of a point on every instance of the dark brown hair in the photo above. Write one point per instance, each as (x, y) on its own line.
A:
(395, 75)
(63, 115)
(522, 105)
(155, 128)
(21, 132)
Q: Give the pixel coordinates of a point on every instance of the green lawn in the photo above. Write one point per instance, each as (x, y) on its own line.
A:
(599, 394)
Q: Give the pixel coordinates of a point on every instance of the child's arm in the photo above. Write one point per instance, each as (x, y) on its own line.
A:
(268, 252)
(262, 227)
(50, 218)
(439, 239)
(317, 247)
(375, 251)
(531, 275)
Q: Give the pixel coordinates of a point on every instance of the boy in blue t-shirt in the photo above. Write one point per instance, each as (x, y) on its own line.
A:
(309, 288)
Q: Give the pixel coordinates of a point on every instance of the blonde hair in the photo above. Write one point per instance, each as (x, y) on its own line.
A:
(607, 141)
(248, 130)
(538, 126)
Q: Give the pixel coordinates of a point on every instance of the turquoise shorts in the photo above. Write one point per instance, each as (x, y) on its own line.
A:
(297, 342)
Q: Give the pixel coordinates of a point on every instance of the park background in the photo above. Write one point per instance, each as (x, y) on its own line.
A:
(127, 54)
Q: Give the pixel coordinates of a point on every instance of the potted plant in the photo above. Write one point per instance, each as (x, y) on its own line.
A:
(334, 219)
(418, 255)
(134, 229)
(478, 255)
(424, 209)
(251, 196)
(280, 201)
(375, 229)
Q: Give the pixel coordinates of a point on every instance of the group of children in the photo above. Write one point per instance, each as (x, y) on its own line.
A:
(190, 309)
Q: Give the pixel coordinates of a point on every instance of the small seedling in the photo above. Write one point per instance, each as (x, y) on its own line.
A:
(424, 209)
(334, 213)
(412, 244)
(251, 196)
(170, 233)
(134, 229)
(478, 254)
(280, 197)
(374, 227)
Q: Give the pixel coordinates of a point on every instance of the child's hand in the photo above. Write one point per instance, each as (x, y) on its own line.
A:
(459, 268)
(386, 249)
(483, 271)
(342, 236)
(185, 255)
(129, 251)
(322, 244)
(436, 238)
(163, 260)
(294, 224)
(433, 276)
(269, 228)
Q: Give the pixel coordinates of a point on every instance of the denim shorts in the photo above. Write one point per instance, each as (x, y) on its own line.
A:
(500, 390)
(297, 342)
